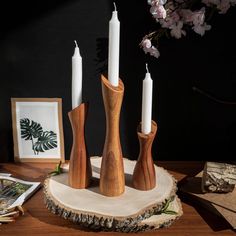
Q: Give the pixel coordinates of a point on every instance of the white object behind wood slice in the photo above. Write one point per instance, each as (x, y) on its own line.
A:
(128, 204)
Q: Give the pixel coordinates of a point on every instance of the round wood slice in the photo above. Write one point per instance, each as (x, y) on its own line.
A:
(132, 211)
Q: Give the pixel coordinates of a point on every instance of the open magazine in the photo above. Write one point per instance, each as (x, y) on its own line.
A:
(14, 192)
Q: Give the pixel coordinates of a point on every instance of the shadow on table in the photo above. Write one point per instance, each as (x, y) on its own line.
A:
(208, 213)
(189, 168)
(216, 222)
(128, 177)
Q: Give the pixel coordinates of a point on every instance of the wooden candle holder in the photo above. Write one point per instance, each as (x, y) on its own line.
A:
(80, 167)
(144, 176)
(112, 180)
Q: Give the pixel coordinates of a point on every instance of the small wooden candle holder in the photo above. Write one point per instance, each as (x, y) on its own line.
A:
(80, 167)
(144, 176)
(112, 180)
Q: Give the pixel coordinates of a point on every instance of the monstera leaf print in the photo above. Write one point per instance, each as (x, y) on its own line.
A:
(30, 129)
(47, 141)
(41, 140)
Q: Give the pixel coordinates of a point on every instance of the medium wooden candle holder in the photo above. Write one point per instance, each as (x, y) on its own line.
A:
(112, 180)
(144, 176)
(80, 167)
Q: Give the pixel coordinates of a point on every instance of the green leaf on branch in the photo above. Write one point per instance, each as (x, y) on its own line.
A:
(57, 171)
(169, 212)
(165, 209)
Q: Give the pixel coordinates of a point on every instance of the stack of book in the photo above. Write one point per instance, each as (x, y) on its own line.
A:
(13, 193)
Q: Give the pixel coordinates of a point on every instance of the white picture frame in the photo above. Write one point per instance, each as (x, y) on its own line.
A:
(37, 129)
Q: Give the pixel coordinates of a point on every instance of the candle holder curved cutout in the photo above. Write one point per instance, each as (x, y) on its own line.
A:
(112, 179)
(144, 176)
(80, 171)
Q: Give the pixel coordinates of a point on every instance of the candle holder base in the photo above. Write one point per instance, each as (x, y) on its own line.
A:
(80, 167)
(144, 177)
(148, 211)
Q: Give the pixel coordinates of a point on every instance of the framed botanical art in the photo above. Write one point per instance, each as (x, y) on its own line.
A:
(37, 129)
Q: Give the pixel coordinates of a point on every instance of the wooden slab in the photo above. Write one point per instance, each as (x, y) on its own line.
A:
(122, 213)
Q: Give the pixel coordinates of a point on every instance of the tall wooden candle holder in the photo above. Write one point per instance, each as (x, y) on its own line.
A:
(112, 180)
(80, 167)
(144, 176)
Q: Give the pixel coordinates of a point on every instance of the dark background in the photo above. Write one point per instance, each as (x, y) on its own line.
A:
(36, 45)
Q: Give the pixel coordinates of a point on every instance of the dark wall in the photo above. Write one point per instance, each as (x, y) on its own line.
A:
(36, 46)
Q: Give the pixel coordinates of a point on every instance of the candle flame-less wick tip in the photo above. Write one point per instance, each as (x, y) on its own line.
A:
(114, 5)
(76, 43)
(147, 68)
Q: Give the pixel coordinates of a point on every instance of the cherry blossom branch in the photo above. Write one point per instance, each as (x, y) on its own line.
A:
(175, 17)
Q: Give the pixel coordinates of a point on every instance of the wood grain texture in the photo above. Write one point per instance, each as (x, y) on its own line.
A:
(97, 211)
(112, 182)
(39, 221)
(80, 168)
(144, 177)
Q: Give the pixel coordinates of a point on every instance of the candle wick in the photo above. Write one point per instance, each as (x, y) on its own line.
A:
(147, 68)
(76, 43)
(114, 5)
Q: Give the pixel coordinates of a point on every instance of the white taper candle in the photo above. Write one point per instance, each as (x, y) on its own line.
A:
(114, 49)
(146, 122)
(76, 78)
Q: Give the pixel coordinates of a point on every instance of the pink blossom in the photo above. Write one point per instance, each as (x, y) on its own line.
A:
(223, 6)
(200, 29)
(146, 44)
(158, 12)
(173, 15)
(176, 30)
(193, 17)
(157, 9)
(198, 17)
(154, 52)
(157, 2)
(148, 48)
(170, 20)
(162, 2)
(154, 2)
(187, 15)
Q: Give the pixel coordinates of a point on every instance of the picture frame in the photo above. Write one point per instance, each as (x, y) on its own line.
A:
(37, 130)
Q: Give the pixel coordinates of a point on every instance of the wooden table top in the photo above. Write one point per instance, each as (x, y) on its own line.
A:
(37, 220)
